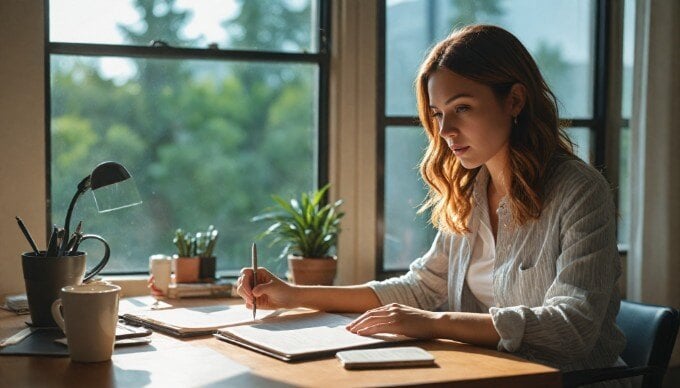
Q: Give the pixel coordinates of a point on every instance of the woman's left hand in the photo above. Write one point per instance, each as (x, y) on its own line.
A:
(396, 319)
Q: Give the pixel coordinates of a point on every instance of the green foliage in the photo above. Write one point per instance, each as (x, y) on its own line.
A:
(201, 245)
(206, 141)
(303, 226)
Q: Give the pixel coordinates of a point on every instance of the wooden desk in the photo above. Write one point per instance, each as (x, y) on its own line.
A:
(204, 361)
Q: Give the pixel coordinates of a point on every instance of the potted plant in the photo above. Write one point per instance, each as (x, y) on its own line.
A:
(205, 245)
(194, 259)
(309, 232)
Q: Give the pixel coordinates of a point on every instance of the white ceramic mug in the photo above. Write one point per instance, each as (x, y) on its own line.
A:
(90, 315)
(160, 269)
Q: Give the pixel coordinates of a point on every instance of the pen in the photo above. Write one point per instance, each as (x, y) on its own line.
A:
(76, 243)
(27, 234)
(254, 260)
(16, 338)
(72, 241)
(51, 246)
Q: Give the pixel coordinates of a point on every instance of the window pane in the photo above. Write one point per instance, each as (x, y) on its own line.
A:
(272, 25)
(559, 35)
(407, 235)
(628, 53)
(626, 105)
(583, 143)
(207, 142)
(624, 189)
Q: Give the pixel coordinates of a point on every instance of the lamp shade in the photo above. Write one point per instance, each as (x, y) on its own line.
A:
(113, 188)
(107, 173)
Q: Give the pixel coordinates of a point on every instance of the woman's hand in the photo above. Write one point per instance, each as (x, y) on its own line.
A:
(270, 293)
(396, 319)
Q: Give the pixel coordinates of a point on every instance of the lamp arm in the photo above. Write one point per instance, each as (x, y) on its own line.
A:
(83, 186)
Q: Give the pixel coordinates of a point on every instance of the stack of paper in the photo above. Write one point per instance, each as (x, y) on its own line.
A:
(302, 336)
(194, 321)
(284, 334)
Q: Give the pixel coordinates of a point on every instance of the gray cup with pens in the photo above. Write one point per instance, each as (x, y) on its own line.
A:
(44, 277)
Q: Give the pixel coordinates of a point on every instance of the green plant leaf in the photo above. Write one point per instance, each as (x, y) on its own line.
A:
(303, 225)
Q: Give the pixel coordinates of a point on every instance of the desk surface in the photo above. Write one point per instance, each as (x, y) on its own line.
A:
(204, 361)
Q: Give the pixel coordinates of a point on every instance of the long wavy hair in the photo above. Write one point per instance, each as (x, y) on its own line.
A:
(494, 57)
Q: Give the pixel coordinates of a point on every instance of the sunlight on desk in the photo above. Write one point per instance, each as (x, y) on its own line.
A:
(207, 361)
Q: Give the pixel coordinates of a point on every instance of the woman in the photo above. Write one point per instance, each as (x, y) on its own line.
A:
(526, 258)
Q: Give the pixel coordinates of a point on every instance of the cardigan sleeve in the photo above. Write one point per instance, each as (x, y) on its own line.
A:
(567, 326)
(425, 285)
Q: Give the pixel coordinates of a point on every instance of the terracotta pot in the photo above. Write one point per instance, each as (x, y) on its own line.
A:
(187, 269)
(308, 271)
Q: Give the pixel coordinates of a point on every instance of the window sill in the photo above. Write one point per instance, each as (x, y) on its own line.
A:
(131, 285)
(137, 285)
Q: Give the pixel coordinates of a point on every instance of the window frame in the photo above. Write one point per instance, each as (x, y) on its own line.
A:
(605, 124)
(321, 58)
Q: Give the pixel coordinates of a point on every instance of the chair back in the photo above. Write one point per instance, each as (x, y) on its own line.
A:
(650, 336)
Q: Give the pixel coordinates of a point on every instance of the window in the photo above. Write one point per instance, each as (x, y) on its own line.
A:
(626, 107)
(566, 38)
(213, 106)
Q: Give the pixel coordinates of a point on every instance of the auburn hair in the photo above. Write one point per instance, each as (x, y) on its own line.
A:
(494, 57)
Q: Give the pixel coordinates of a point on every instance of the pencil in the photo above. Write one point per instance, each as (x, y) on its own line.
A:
(24, 230)
(254, 260)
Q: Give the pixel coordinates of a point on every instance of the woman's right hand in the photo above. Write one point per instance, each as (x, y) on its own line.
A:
(271, 292)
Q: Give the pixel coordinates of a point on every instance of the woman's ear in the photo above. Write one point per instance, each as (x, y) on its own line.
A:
(516, 99)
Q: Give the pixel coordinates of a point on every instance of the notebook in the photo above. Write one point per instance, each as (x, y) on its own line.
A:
(302, 336)
(194, 321)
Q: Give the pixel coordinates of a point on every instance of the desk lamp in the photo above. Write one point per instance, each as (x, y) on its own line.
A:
(112, 187)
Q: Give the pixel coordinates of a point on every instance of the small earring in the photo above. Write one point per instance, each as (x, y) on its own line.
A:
(514, 120)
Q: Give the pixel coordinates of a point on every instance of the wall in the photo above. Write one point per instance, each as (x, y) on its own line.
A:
(353, 135)
(22, 135)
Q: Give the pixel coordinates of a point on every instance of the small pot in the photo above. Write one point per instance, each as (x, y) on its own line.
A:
(207, 269)
(313, 271)
(186, 269)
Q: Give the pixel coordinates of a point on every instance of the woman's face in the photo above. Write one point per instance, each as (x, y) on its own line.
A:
(473, 122)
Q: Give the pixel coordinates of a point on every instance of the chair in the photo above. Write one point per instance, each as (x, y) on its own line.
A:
(650, 335)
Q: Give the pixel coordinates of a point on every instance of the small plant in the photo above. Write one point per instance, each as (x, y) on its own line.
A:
(201, 245)
(305, 227)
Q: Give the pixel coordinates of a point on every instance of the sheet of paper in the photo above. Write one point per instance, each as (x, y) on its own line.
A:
(204, 317)
(309, 333)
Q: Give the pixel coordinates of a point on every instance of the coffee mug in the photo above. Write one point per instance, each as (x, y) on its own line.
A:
(160, 270)
(45, 276)
(89, 318)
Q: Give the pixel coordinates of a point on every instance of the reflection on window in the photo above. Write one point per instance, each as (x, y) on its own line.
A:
(207, 141)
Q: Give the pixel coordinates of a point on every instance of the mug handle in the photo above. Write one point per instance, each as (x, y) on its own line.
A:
(56, 314)
(104, 260)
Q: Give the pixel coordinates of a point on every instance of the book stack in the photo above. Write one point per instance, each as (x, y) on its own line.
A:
(17, 304)
(219, 289)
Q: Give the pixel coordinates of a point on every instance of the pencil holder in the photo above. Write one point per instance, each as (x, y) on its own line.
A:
(44, 276)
